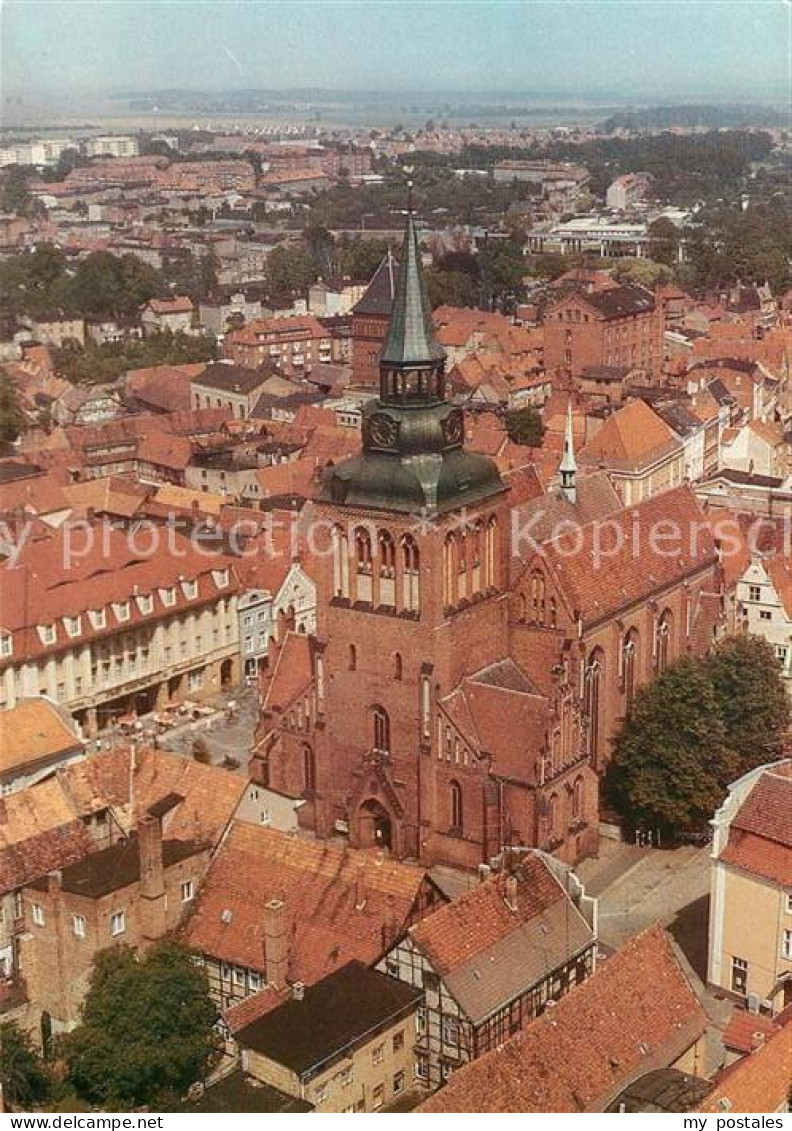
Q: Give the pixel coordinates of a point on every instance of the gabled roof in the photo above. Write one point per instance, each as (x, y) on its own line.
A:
(34, 731)
(321, 884)
(631, 437)
(760, 836)
(292, 673)
(636, 1013)
(759, 1082)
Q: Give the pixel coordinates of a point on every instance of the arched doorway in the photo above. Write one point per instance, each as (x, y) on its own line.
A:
(226, 674)
(374, 825)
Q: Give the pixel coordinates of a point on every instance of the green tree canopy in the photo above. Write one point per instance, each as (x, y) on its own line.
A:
(451, 288)
(671, 760)
(751, 699)
(23, 1073)
(645, 272)
(290, 270)
(524, 426)
(502, 266)
(95, 364)
(358, 259)
(146, 1029)
(11, 420)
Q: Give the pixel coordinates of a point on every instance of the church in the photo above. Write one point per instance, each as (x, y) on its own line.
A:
(447, 707)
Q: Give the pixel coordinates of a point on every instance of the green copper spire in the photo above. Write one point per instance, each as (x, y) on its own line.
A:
(411, 337)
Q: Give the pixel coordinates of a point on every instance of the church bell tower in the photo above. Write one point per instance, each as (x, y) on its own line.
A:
(411, 588)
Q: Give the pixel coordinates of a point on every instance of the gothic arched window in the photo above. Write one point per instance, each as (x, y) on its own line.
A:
(538, 591)
(352, 658)
(577, 799)
(381, 723)
(449, 570)
(629, 661)
(663, 639)
(309, 769)
(457, 813)
(387, 568)
(592, 695)
(398, 666)
(363, 564)
(340, 562)
(411, 565)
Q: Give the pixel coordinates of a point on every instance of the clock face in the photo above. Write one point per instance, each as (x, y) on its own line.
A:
(382, 430)
(453, 427)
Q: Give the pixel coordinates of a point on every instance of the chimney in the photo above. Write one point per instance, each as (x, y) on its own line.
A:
(276, 948)
(54, 882)
(152, 879)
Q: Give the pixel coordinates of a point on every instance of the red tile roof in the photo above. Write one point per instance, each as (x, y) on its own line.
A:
(636, 1013)
(760, 1082)
(598, 584)
(760, 836)
(292, 673)
(321, 885)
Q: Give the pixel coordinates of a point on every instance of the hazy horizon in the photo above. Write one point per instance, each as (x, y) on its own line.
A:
(658, 50)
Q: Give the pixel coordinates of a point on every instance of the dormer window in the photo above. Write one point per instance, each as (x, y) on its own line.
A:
(168, 595)
(6, 644)
(47, 633)
(190, 589)
(98, 618)
(73, 625)
(220, 578)
(145, 603)
(121, 610)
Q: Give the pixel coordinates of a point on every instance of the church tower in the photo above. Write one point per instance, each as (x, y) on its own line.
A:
(410, 544)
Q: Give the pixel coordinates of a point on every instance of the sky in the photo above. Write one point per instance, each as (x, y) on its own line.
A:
(672, 49)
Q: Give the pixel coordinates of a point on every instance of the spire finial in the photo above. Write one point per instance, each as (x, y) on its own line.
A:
(568, 466)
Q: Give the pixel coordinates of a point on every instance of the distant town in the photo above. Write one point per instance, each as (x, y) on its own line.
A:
(396, 609)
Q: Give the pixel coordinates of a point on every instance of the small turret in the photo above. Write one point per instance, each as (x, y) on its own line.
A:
(567, 469)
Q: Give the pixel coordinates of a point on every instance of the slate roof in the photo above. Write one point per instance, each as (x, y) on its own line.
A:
(411, 336)
(336, 1015)
(488, 953)
(230, 378)
(377, 299)
(116, 867)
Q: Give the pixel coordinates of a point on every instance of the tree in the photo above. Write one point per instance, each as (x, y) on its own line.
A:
(290, 270)
(502, 267)
(146, 1029)
(358, 259)
(644, 272)
(665, 247)
(671, 760)
(15, 194)
(23, 1074)
(450, 288)
(525, 427)
(751, 699)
